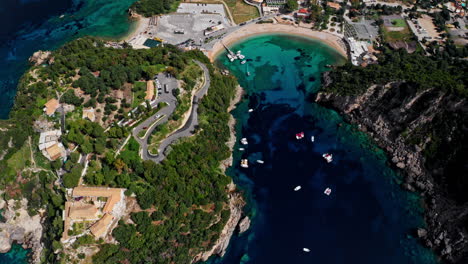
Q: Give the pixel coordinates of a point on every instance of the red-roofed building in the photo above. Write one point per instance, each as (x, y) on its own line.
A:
(302, 13)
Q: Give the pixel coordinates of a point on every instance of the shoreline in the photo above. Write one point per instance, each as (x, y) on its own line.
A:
(139, 26)
(236, 199)
(253, 30)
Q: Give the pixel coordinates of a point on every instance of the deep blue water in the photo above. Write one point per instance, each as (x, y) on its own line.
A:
(31, 25)
(367, 219)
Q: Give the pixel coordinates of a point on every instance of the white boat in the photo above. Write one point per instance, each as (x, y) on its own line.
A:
(300, 135)
(244, 141)
(250, 110)
(312, 138)
(306, 250)
(297, 188)
(248, 73)
(240, 56)
(260, 161)
(241, 149)
(327, 191)
(244, 163)
(328, 157)
(243, 62)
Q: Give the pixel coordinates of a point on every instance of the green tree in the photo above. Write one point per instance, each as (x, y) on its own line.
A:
(291, 5)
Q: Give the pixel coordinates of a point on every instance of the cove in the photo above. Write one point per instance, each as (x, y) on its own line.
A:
(367, 219)
(31, 25)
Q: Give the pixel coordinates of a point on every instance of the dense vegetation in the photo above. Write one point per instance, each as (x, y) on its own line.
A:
(184, 193)
(418, 70)
(155, 7)
(183, 199)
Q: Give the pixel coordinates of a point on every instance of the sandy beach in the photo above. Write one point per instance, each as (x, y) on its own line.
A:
(138, 29)
(258, 29)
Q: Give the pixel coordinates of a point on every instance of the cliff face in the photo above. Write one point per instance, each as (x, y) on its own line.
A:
(426, 135)
(21, 228)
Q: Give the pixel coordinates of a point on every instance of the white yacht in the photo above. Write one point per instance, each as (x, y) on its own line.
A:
(328, 157)
(244, 141)
(297, 188)
(327, 191)
(312, 138)
(306, 250)
(250, 110)
(260, 161)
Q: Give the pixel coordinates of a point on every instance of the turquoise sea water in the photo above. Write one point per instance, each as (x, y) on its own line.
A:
(367, 219)
(31, 25)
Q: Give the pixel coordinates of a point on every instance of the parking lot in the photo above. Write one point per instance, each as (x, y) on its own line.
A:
(189, 22)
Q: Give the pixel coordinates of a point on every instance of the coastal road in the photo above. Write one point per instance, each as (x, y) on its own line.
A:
(186, 131)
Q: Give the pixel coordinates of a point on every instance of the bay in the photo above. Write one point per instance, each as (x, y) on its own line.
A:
(367, 218)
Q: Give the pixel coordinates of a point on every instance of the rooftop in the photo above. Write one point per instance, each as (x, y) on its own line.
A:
(79, 210)
(51, 106)
(100, 227)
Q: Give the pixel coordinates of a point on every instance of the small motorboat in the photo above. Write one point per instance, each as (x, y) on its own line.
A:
(312, 138)
(306, 250)
(244, 163)
(241, 149)
(297, 188)
(260, 161)
(300, 135)
(327, 191)
(250, 110)
(244, 141)
(328, 157)
(243, 62)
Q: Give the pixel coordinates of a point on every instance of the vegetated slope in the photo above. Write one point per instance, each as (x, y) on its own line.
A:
(415, 107)
(183, 200)
(149, 8)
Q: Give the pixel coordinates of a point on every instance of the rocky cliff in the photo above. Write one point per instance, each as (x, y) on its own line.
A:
(236, 204)
(425, 133)
(19, 227)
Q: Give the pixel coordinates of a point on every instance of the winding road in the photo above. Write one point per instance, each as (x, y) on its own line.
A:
(186, 131)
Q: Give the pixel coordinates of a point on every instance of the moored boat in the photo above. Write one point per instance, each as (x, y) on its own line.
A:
(328, 157)
(300, 135)
(297, 188)
(244, 141)
(244, 163)
(306, 250)
(250, 110)
(312, 138)
(327, 191)
(241, 149)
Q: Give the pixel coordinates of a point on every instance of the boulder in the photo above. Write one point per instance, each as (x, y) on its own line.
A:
(244, 225)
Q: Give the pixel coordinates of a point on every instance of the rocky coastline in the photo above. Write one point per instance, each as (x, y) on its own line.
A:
(19, 227)
(404, 121)
(236, 201)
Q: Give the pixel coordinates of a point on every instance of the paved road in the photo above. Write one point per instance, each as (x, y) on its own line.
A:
(186, 131)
